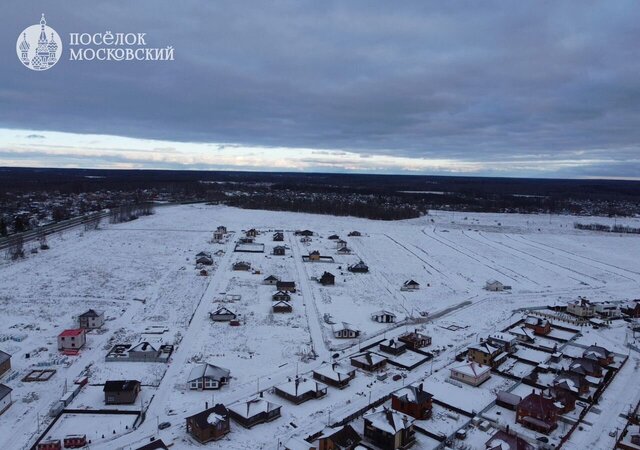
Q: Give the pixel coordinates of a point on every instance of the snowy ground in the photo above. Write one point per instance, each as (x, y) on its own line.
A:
(142, 273)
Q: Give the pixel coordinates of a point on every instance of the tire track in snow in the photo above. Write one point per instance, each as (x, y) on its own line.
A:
(451, 246)
(545, 260)
(531, 242)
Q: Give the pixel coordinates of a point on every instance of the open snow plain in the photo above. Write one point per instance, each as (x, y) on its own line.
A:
(143, 274)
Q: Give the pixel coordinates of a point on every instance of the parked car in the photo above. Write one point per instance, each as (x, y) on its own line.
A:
(164, 425)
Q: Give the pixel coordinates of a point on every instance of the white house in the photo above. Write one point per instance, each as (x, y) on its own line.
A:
(608, 310)
(383, 316)
(495, 286)
(581, 308)
(471, 373)
(207, 376)
(345, 330)
(91, 319)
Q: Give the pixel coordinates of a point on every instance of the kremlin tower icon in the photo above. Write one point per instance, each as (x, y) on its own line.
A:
(43, 40)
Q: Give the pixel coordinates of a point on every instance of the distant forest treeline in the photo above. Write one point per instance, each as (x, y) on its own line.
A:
(607, 228)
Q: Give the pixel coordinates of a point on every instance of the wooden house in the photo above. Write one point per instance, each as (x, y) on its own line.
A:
(254, 412)
(415, 340)
(91, 319)
(504, 341)
(251, 233)
(335, 375)
(345, 330)
(410, 285)
(354, 234)
(344, 250)
(523, 334)
(383, 316)
(241, 265)
(281, 296)
(222, 315)
(208, 377)
(306, 233)
(586, 367)
(209, 425)
(279, 250)
(334, 237)
(286, 286)
(340, 438)
(505, 440)
(282, 307)
(49, 444)
(508, 400)
(204, 258)
(278, 236)
(471, 373)
(359, 267)
(599, 354)
(72, 340)
(121, 392)
(389, 430)
(340, 243)
(5, 398)
(314, 256)
(271, 280)
(537, 412)
(371, 362)
(300, 390)
(413, 401)
(75, 441)
(327, 279)
(393, 347)
(5, 362)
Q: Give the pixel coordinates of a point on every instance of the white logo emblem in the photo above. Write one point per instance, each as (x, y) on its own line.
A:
(39, 47)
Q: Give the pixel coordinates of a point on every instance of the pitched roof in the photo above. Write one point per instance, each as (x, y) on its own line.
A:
(158, 444)
(413, 394)
(472, 369)
(223, 311)
(537, 404)
(301, 386)
(271, 278)
(4, 357)
(210, 416)
(208, 371)
(253, 407)
(91, 313)
(73, 332)
(389, 421)
(4, 391)
(343, 437)
(143, 347)
(369, 358)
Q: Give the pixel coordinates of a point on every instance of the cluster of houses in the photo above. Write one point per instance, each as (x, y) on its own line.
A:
(5, 391)
(599, 313)
(282, 297)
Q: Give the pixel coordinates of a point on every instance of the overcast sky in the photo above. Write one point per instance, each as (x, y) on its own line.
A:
(511, 88)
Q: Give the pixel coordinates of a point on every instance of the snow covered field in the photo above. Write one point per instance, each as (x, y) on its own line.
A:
(142, 273)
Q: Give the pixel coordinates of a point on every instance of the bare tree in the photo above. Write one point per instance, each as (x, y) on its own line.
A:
(92, 222)
(42, 239)
(16, 248)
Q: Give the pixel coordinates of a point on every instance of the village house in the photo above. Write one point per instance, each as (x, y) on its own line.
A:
(91, 319)
(305, 233)
(221, 229)
(281, 296)
(49, 444)
(504, 440)
(371, 362)
(540, 326)
(586, 367)
(297, 443)
(383, 317)
(538, 412)
(393, 347)
(504, 341)
(345, 330)
(486, 354)
(5, 362)
(72, 340)
(286, 286)
(271, 280)
(565, 396)
(335, 375)
(251, 233)
(305, 239)
(314, 256)
(410, 285)
(608, 310)
(413, 401)
(508, 400)
(222, 315)
(415, 340)
(300, 390)
(599, 354)
(218, 236)
(279, 250)
(632, 308)
(341, 243)
(494, 286)
(254, 412)
(246, 240)
(140, 352)
(359, 267)
(278, 236)
(582, 308)
(282, 307)
(208, 377)
(341, 438)
(334, 237)
(571, 381)
(344, 251)
(354, 234)
(327, 279)
(389, 430)
(523, 334)
(241, 265)
(471, 373)
(204, 258)
(121, 392)
(5, 398)
(210, 424)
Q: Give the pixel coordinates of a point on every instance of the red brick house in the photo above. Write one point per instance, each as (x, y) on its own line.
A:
(413, 401)
(539, 325)
(599, 354)
(538, 412)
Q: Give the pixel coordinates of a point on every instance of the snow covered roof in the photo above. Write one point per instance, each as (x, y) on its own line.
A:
(471, 369)
(382, 313)
(208, 371)
(223, 311)
(4, 391)
(296, 443)
(413, 394)
(369, 358)
(120, 385)
(300, 387)
(411, 283)
(211, 416)
(143, 347)
(91, 313)
(484, 347)
(4, 357)
(343, 326)
(271, 278)
(393, 343)
(253, 407)
(335, 372)
(597, 352)
(389, 421)
(522, 331)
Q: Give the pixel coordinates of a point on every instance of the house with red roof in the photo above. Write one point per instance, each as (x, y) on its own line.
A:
(72, 340)
(538, 412)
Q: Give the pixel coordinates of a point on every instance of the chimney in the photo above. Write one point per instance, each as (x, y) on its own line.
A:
(420, 387)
